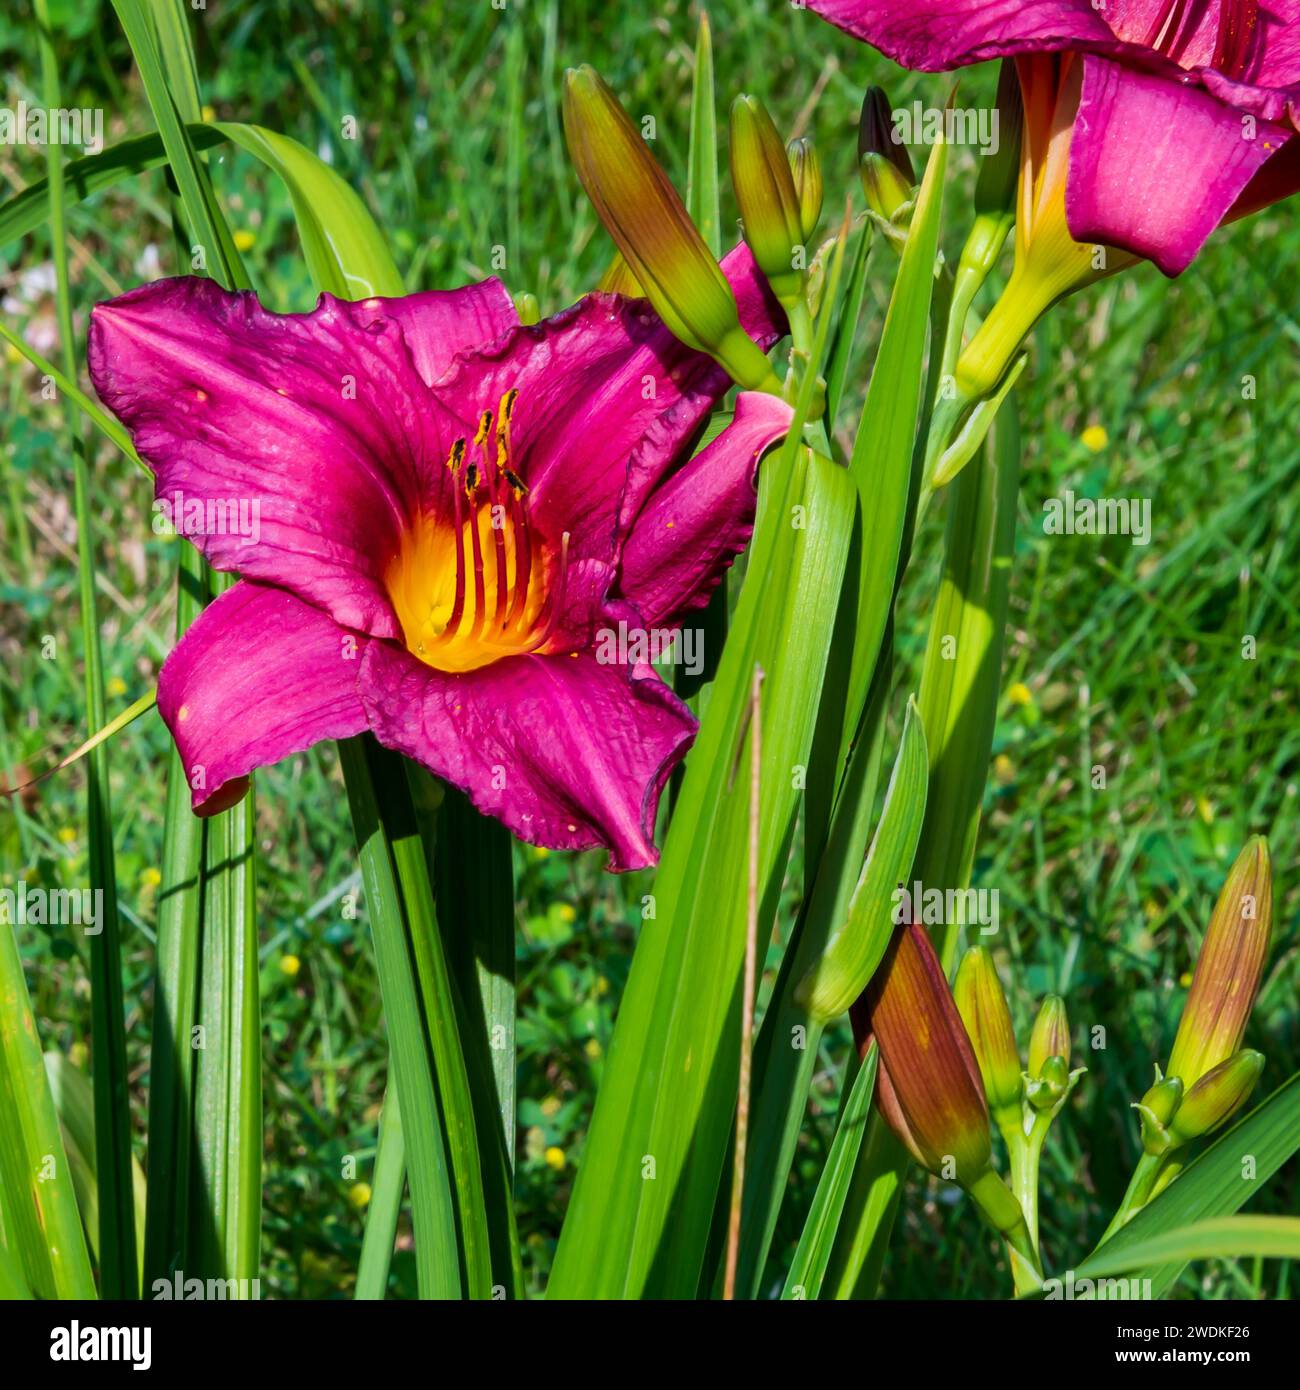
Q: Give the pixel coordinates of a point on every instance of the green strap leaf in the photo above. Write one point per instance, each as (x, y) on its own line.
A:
(818, 1236)
(1276, 1237)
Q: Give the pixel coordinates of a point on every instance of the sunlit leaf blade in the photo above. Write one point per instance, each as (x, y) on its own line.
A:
(1226, 1237)
(881, 462)
(437, 1251)
(804, 1280)
(1231, 1171)
(345, 251)
(206, 224)
(172, 1055)
(38, 1202)
(839, 941)
(388, 1182)
(119, 1271)
(846, 323)
(28, 211)
(958, 705)
(74, 1100)
(702, 162)
(668, 1094)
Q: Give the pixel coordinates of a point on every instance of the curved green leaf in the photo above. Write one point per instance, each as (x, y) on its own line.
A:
(1275, 1237)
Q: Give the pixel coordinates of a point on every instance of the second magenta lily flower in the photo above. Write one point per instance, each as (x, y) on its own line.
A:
(1177, 114)
(451, 507)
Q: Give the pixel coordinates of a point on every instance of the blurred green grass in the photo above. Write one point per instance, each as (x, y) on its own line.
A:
(1130, 657)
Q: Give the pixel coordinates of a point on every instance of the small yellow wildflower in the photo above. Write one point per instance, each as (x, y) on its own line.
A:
(1185, 979)
(1094, 438)
(67, 834)
(1205, 809)
(290, 966)
(208, 113)
(244, 240)
(1004, 769)
(555, 1158)
(150, 877)
(566, 912)
(593, 1049)
(1020, 694)
(114, 687)
(359, 1195)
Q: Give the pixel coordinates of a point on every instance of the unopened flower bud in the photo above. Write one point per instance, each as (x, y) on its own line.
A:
(1228, 969)
(1156, 1109)
(884, 164)
(934, 1098)
(1051, 1085)
(983, 1008)
(1220, 1092)
(769, 205)
(806, 170)
(1051, 1035)
(665, 254)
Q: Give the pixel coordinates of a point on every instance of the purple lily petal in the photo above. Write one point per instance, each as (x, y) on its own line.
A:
(933, 35)
(693, 526)
(1155, 165)
(259, 675)
(567, 752)
(319, 426)
(439, 324)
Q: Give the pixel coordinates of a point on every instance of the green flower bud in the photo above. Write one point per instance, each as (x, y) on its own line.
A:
(1228, 969)
(769, 205)
(1156, 1109)
(806, 170)
(1051, 1035)
(1052, 1084)
(884, 164)
(665, 254)
(1220, 1092)
(527, 308)
(983, 1009)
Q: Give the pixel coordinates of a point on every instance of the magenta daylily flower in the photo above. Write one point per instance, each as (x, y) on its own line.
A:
(1183, 112)
(449, 509)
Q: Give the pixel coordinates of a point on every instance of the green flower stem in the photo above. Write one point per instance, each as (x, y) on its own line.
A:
(1003, 1212)
(1140, 1190)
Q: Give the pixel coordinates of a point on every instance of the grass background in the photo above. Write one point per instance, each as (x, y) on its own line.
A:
(1123, 656)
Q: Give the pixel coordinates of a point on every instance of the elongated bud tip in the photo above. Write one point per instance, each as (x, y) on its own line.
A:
(806, 170)
(1216, 1096)
(999, 175)
(769, 206)
(664, 253)
(983, 1009)
(1228, 969)
(1051, 1035)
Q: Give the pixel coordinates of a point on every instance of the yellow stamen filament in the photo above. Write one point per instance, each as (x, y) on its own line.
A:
(477, 582)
